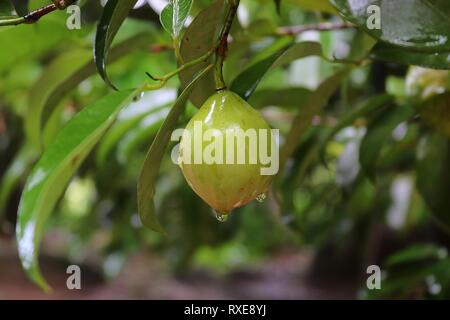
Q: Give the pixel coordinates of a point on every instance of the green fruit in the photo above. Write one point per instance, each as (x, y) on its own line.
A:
(225, 185)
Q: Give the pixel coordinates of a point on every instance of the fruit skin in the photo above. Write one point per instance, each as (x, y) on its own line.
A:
(225, 186)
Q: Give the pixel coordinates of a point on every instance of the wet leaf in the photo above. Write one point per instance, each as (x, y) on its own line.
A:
(389, 53)
(113, 16)
(414, 253)
(289, 97)
(422, 25)
(54, 170)
(247, 81)
(174, 15)
(313, 106)
(150, 168)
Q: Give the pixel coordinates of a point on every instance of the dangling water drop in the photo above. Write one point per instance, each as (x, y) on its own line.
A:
(220, 216)
(261, 197)
(138, 97)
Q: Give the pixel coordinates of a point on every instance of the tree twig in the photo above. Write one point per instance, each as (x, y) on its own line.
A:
(326, 26)
(163, 80)
(35, 15)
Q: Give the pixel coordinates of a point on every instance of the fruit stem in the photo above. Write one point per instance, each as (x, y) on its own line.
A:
(163, 80)
(176, 45)
(221, 50)
(35, 15)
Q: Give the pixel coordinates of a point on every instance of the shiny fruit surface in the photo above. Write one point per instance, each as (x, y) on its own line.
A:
(223, 181)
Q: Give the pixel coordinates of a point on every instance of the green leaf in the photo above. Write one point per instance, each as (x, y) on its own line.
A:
(142, 132)
(113, 16)
(200, 37)
(6, 10)
(289, 97)
(414, 253)
(34, 40)
(433, 177)
(313, 106)
(174, 15)
(247, 81)
(131, 120)
(389, 53)
(367, 107)
(62, 76)
(56, 74)
(54, 170)
(14, 173)
(422, 25)
(378, 131)
(299, 51)
(150, 168)
(313, 5)
(21, 6)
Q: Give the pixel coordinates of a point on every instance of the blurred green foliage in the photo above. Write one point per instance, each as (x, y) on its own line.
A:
(369, 176)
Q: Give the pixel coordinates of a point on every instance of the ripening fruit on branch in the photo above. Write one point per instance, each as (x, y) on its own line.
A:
(228, 153)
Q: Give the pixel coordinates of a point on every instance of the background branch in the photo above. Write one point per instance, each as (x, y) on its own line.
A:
(326, 26)
(35, 15)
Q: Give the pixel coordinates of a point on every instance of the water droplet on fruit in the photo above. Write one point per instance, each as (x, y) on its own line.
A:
(138, 97)
(261, 197)
(220, 216)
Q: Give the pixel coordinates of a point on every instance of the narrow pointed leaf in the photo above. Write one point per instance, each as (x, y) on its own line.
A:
(141, 133)
(419, 25)
(174, 15)
(61, 69)
(113, 16)
(433, 178)
(289, 97)
(367, 107)
(54, 170)
(314, 105)
(378, 132)
(247, 81)
(62, 76)
(14, 173)
(21, 7)
(152, 162)
(389, 53)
